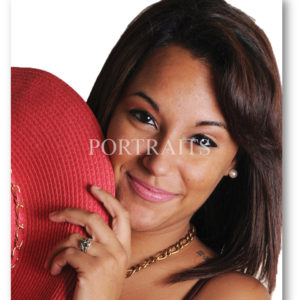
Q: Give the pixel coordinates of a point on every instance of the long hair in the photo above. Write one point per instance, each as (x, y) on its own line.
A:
(241, 220)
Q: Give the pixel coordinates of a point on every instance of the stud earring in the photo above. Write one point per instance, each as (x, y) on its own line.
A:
(233, 173)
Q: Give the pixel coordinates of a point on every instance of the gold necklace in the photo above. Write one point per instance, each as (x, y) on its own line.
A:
(163, 254)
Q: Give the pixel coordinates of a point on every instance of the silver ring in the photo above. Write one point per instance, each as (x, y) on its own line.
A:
(85, 244)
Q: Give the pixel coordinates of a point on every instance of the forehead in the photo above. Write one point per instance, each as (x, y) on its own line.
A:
(174, 62)
(174, 78)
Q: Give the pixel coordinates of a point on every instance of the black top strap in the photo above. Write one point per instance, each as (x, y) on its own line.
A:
(195, 289)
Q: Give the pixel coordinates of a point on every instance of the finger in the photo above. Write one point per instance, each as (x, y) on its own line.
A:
(121, 220)
(93, 223)
(62, 245)
(73, 241)
(70, 256)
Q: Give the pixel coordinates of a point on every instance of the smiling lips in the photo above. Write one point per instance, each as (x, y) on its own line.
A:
(149, 192)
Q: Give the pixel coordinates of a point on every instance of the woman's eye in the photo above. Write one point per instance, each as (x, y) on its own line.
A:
(203, 140)
(143, 117)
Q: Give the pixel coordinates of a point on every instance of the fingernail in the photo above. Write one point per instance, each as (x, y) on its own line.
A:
(52, 214)
(55, 270)
(97, 188)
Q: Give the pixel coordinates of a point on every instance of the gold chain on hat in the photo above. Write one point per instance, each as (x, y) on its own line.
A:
(18, 199)
(163, 254)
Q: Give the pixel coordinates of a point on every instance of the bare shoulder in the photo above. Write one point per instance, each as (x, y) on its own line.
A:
(233, 286)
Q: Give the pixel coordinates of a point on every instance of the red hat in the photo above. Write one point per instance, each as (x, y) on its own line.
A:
(52, 168)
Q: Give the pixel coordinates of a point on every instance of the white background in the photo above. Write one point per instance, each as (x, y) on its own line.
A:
(72, 39)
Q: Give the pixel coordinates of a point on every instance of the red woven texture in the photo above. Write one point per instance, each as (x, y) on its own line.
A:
(51, 131)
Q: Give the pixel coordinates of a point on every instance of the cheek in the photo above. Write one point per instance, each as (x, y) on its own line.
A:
(128, 140)
(201, 178)
(200, 182)
(125, 144)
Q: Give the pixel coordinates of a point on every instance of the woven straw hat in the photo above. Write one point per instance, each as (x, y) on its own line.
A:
(51, 169)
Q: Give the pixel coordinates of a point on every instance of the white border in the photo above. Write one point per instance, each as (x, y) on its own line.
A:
(72, 39)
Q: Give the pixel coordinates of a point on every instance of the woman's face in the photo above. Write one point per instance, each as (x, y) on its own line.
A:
(170, 105)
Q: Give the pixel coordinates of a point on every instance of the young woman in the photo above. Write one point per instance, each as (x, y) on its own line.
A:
(193, 88)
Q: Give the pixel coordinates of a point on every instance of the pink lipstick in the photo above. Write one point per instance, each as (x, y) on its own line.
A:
(149, 192)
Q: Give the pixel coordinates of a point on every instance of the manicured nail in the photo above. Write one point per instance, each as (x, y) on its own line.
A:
(53, 214)
(97, 188)
(55, 271)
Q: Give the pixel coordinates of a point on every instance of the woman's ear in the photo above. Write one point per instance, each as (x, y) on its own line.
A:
(231, 171)
(232, 167)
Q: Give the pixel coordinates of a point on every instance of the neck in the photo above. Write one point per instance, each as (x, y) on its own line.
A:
(148, 243)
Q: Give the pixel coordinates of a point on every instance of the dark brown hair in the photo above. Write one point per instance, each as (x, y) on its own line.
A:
(241, 220)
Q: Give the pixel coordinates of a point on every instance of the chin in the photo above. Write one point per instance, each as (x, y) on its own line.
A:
(141, 218)
(144, 215)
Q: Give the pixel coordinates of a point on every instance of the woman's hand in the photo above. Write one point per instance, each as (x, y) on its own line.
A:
(101, 270)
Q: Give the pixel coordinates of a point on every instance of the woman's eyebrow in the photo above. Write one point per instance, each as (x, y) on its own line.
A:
(155, 106)
(147, 98)
(211, 123)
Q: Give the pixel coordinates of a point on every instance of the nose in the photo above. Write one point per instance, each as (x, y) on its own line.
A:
(160, 158)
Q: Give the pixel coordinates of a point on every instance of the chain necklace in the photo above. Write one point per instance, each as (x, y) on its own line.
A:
(163, 254)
